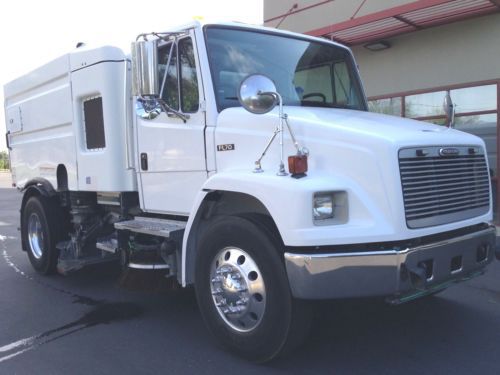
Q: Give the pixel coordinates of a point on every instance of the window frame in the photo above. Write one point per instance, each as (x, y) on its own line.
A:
(164, 44)
(446, 89)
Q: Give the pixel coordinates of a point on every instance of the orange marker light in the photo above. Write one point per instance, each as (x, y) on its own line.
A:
(297, 165)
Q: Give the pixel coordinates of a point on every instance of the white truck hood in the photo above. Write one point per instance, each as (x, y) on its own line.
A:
(351, 151)
(395, 130)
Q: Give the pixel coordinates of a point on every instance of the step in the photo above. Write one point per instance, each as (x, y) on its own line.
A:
(153, 226)
(110, 245)
(148, 266)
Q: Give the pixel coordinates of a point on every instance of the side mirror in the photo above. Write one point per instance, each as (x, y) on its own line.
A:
(449, 110)
(257, 94)
(145, 68)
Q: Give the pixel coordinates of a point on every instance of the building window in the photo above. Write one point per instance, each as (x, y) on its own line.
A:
(475, 99)
(424, 105)
(476, 111)
(388, 106)
(474, 106)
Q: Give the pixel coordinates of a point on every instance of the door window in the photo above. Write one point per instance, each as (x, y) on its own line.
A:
(180, 73)
(169, 85)
(189, 81)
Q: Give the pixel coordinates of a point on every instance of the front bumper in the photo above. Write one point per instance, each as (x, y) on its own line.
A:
(398, 274)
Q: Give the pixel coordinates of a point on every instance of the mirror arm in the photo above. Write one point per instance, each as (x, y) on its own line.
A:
(167, 66)
(150, 106)
(279, 99)
(258, 167)
(167, 109)
(294, 140)
(282, 171)
(300, 150)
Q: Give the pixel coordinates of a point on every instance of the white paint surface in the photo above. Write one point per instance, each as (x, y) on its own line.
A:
(57, 26)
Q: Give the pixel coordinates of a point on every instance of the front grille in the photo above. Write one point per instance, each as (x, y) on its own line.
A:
(443, 184)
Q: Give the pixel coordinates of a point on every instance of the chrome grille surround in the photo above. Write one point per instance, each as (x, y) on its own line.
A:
(443, 184)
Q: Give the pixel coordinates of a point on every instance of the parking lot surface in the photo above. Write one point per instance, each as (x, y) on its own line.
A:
(101, 322)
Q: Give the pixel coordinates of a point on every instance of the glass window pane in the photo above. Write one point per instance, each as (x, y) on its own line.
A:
(314, 84)
(170, 92)
(290, 62)
(428, 104)
(485, 127)
(473, 99)
(189, 82)
(437, 121)
(390, 106)
(342, 83)
(467, 123)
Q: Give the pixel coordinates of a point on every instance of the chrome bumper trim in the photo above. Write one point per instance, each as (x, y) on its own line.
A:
(385, 273)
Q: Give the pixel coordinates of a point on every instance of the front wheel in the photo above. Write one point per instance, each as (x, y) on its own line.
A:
(242, 290)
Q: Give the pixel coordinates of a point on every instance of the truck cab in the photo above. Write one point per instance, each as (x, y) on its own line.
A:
(242, 160)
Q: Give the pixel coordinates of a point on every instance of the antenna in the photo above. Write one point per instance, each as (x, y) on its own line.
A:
(294, 6)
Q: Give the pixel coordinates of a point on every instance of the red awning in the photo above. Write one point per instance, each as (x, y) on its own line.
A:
(405, 18)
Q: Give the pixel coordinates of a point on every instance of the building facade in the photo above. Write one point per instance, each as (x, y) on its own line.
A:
(411, 53)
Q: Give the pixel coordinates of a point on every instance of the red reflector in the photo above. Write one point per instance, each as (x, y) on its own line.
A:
(297, 164)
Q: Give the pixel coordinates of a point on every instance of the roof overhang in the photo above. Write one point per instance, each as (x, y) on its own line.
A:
(406, 18)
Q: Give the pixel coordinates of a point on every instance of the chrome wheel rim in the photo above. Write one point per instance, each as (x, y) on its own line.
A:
(35, 235)
(238, 289)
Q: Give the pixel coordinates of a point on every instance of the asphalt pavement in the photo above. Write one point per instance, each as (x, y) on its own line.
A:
(5, 180)
(96, 322)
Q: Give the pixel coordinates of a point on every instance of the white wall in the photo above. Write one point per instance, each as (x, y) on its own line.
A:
(322, 15)
(461, 52)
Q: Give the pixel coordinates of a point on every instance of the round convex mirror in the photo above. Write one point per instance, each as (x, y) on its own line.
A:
(256, 94)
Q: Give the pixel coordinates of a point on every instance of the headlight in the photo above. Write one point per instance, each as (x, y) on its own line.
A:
(323, 206)
(330, 208)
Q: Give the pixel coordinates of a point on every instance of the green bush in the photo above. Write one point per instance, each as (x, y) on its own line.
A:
(4, 160)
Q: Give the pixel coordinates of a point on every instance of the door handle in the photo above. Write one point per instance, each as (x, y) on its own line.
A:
(144, 161)
(7, 140)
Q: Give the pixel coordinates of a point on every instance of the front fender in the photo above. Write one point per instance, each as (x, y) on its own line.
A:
(290, 201)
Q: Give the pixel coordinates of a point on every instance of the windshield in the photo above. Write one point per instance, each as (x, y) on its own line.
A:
(308, 74)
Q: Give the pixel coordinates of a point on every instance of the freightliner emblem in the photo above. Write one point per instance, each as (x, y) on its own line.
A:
(449, 151)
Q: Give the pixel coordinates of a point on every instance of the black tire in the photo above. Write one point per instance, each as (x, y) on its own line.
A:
(46, 210)
(284, 322)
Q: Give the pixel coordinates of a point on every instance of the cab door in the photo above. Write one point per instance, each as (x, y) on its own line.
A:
(172, 164)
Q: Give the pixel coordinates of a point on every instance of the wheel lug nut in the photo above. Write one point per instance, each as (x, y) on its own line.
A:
(223, 270)
(217, 279)
(221, 303)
